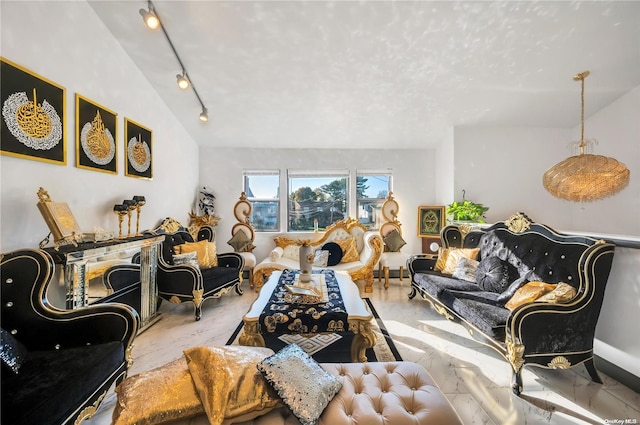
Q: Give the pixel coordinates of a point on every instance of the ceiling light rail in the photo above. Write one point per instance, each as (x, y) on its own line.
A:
(152, 21)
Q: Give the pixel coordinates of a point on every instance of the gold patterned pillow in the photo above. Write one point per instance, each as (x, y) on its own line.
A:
(160, 395)
(229, 383)
(528, 293)
(450, 257)
(349, 250)
(206, 252)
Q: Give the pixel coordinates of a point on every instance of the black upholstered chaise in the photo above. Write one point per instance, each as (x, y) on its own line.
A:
(542, 334)
(66, 360)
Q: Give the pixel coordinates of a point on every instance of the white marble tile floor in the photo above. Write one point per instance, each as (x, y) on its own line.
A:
(476, 380)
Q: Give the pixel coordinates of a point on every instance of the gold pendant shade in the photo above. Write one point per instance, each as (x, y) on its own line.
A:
(586, 177)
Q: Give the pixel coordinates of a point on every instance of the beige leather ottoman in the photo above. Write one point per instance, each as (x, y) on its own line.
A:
(393, 393)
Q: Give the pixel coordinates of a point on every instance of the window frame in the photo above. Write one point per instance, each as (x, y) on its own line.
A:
(255, 201)
(377, 220)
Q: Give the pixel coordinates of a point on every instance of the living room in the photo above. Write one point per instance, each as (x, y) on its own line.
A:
(497, 164)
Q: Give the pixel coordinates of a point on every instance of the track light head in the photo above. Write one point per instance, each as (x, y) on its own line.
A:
(204, 116)
(150, 19)
(183, 83)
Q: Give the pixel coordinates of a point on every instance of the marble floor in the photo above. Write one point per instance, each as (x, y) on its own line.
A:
(474, 378)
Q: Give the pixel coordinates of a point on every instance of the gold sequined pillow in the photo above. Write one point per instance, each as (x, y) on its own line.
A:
(229, 383)
(454, 256)
(206, 252)
(160, 395)
(528, 293)
(349, 250)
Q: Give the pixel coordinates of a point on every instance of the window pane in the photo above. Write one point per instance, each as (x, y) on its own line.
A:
(264, 216)
(371, 190)
(262, 189)
(316, 198)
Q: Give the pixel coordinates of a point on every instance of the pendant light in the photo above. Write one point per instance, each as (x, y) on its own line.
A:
(585, 177)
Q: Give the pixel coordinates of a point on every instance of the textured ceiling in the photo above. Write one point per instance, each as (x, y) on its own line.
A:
(379, 74)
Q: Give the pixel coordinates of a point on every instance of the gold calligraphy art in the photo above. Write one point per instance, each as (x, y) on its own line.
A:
(35, 125)
(97, 141)
(139, 154)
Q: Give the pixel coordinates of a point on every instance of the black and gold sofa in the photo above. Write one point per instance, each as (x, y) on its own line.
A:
(178, 283)
(514, 255)
(57, 365)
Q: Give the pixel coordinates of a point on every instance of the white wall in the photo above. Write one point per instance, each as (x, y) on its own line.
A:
(413, 182)
(66, 43)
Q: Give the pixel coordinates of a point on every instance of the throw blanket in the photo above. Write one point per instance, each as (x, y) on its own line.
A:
(281, 316)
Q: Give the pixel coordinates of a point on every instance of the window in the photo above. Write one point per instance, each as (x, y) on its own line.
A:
(316, 197)
(372, 187)
(262, 189)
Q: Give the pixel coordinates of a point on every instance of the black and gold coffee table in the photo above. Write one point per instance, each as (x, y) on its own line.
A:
(310, 317)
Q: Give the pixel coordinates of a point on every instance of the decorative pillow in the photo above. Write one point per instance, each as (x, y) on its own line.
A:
(561, 294)
(443, 256)
(529, 293)
(335, 253)
(394, 241)
(163, 394)
(276, 253)
(455, 255)
(13, 352)
(229, 383)
(466, 269)
(239, 241)
(495, 275)
(206, 252)
(349, 250)
(189, 258)
(304, 386)
(320, 258)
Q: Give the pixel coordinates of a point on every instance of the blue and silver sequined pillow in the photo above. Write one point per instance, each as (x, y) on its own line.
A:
(304, 386)
(13, 353)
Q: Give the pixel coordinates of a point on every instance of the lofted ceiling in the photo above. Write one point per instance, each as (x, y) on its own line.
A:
(379, 74)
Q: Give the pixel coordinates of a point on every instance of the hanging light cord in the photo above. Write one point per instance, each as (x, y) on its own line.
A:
(580, 77)
(175, 52)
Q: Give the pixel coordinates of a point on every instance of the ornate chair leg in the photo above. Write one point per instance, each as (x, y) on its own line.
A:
(593, 372)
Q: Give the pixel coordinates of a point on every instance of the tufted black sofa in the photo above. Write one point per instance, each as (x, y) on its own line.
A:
(548, 335)
(57, 365)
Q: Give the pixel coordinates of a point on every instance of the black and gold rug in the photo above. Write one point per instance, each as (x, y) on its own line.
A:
(335, 348)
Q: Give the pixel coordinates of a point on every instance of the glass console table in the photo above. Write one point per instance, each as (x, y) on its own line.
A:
(88, 261)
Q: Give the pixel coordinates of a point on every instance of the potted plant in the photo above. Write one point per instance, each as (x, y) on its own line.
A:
(467, 211)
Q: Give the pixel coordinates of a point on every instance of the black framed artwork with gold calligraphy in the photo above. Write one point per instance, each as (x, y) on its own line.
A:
(33, 115)
(96, 136)
(137, 150)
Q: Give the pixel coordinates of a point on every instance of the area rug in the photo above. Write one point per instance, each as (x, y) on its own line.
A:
(335, 348)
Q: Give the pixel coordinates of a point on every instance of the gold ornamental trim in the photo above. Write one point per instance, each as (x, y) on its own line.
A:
(197, 296)
(128, 355)
(346, 224)
(518, 223)
(559, 362)
(89, 411)
(515, 354)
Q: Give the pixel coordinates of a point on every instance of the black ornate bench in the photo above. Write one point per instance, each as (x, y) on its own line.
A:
(549, 335)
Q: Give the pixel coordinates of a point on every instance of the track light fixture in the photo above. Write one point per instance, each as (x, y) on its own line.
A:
(152, 20)
(183, 82)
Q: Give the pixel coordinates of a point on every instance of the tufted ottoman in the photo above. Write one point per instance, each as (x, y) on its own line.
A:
(394, 393)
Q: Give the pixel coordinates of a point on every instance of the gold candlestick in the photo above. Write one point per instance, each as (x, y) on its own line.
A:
(130, 205)
(140, 201)
(121, 211)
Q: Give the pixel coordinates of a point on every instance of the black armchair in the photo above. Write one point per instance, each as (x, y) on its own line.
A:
(66, 360)
(186, 283)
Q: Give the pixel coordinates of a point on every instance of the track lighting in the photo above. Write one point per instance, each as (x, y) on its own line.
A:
(150, 19)
(183, 83)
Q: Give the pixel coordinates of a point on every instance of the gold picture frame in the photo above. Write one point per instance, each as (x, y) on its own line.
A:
(33, 115)
(431, 220)
(137, 150)
(96, 136)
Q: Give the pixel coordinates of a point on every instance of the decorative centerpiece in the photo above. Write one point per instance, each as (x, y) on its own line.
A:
(306, 261)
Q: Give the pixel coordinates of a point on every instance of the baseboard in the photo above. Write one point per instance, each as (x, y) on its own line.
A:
(624, 377)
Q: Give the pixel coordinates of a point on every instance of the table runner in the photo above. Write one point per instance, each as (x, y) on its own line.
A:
(281, 317)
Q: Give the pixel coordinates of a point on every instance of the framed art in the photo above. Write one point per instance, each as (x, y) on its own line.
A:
(96, 132)
(138, 158)
(33, 115)
(430, 220)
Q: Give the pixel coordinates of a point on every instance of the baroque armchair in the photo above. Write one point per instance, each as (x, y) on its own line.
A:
(391, 233)
(178, 283)
(243, 235)
(57, 365)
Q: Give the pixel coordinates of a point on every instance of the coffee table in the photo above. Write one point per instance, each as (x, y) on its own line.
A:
(358, 317)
